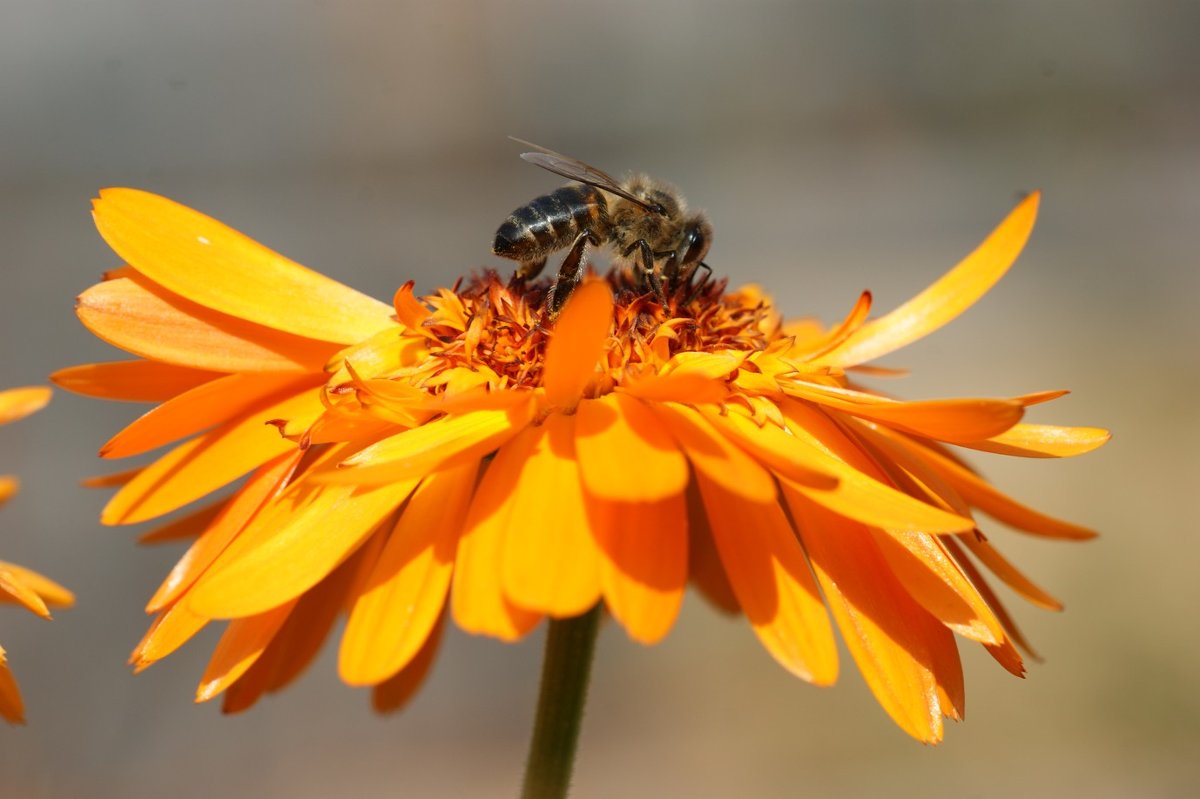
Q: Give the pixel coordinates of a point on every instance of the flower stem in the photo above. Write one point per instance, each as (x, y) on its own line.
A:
(566, 667)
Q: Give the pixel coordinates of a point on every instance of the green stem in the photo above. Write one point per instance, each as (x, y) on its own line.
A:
(566, 667)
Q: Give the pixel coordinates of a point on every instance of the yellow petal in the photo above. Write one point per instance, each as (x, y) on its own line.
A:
(958, 290)
(643, 562)
(624, 454)
(477, 599)
(234, 515)
(198, 257)
(142, 318)
(202, 407)
(132, 381)
(396, 692)
(308, 542)
(17, 403)
(406, 590)
(857, 495)
(577, 343)
(889, 635)
(813, 343)
(550, 563)
(242, 644)
(207, 462)
(770, 576)
(712, 454)
(451, 439)
(1044, 441)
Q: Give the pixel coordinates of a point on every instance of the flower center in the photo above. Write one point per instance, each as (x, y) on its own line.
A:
(488, 323)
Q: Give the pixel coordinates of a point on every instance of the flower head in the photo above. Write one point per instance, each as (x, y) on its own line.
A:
(19, 585)
(463, 455)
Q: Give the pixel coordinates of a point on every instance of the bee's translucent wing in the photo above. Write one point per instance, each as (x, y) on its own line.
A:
(575, 169)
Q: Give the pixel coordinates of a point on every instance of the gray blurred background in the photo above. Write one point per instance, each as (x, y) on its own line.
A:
(837, 146)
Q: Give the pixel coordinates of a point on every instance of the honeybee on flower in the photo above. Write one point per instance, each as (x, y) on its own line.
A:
(473, 456)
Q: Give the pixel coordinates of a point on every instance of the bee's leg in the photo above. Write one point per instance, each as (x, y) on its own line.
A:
(703, 280)
(646, 266)
(569, 274)
(528, 270)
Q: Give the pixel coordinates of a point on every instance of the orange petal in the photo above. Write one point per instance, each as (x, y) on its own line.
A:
(9, 486)
(477, 600)
(771, 578)
(406, 590)
(933, 578)
(234, 515)
(49, 591)
(170, 630)
(1006, 571)
(643, 562)
(956, 291)
(17, 403)
(210, 404)
(396, 692)
(775, 448)
(112, 480)
(1010, 627)
(1044, 441)
(955, 420)
(713, 455)
(133, 381)
(188, 526)
(307, 543)
(299, 640)
(12, 709)
(813, 343)
(207, 462)
(198, 257)
(417, 452)
(624, 454)
(1000, 506)
(705, 569)
(242, 643)
(14, 590)
(890, 636)
(550, 563)
(577, 343)
(858, 495)
(144, 319)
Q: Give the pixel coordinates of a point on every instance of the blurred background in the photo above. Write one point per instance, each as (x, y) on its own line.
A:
(837, 146)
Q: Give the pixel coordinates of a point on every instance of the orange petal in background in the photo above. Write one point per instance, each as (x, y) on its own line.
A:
(132, 381)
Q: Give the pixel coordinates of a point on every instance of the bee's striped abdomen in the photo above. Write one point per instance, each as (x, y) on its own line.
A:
(550, 222)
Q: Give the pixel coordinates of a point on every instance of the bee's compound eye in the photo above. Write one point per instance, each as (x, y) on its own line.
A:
(697, 245)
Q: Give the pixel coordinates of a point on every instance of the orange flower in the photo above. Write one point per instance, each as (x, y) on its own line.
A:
(462, 456)
(19, 585)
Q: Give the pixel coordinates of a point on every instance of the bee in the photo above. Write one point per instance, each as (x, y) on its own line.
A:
(645, 222)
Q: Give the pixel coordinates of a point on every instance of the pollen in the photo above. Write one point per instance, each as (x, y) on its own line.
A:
(498, 328)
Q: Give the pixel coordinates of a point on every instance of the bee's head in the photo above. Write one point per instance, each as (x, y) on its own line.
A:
(697, 237)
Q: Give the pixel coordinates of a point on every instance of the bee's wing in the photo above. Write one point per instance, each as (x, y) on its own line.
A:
(575, 169)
